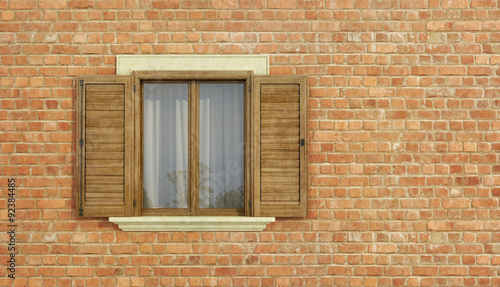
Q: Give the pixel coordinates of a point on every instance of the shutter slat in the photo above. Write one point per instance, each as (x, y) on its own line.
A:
(103, 147)
(280, 122)
(104, 180)
(280, 182)
(286, 107)
(100, 99)
(104, 155)
(283, 188)
(104, 164)
(99, 123)
(105, 107)
(104, 171)
(105, 115)
(104, 188)
(277, 115)
(279, 99)
(280, 197)
(274, 140)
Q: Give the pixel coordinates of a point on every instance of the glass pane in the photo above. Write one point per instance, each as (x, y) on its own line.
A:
(166, 145)
(221, 145)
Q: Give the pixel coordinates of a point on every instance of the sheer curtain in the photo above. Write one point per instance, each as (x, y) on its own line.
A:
(221, 145)
(165, 145)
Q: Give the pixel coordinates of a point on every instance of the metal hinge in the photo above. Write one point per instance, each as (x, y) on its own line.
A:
(134, 88)
(302, 142)
(250, 87)
(81, 212)
(81, 83)
(134, 202)
(81, 142)
(250, 203)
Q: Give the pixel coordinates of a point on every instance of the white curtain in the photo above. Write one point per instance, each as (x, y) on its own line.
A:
(165, 145)
(221, 145)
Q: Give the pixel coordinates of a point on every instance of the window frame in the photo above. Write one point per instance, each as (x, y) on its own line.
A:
(194, 79)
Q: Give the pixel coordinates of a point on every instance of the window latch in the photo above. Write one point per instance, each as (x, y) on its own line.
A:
(302, 142)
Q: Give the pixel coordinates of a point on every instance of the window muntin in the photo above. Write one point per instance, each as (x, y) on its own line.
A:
(208, 136)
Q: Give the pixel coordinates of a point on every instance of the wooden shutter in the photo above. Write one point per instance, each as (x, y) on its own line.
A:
(104, 142)
(279, 139)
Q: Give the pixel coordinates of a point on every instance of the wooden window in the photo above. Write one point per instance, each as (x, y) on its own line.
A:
(112, 140)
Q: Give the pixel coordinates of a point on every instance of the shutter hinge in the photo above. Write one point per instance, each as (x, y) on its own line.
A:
(81, 83)
(81, 142)
(302, 142)
(81, 212)
(134, 88)
(134, 202)
(250, 87)
(250, 203)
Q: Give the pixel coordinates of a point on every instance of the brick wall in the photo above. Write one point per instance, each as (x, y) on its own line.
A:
(404, 150)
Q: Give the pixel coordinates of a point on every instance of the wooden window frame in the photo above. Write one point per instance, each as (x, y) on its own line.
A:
(193, 79)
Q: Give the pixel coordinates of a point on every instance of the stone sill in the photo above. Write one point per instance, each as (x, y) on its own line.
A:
(192, 223)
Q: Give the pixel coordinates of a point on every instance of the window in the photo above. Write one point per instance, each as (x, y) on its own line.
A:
(192, 143)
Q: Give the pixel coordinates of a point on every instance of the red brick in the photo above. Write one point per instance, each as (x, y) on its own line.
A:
(425, 271)
(166, 4)
(22, 4)
(52, 4)
(483, 3)
(452, 271)
(194, 271)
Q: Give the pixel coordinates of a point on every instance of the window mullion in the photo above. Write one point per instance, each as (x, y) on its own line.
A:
(194, 124)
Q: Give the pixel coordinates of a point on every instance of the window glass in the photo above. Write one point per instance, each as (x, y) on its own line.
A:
(221, 145)
(165, 145)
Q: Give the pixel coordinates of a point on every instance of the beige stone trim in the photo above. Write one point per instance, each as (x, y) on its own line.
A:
(192, 223)
(125, 64)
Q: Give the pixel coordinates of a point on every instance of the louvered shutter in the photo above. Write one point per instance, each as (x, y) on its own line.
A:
(104, 142)
(279, 145)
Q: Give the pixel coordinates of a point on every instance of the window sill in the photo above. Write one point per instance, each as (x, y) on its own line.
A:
(192, 223)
